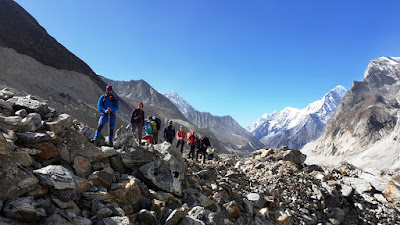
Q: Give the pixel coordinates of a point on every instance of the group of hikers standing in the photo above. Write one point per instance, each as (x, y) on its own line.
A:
(108, 104)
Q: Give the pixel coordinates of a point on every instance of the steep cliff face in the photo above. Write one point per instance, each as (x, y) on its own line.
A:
(21, 32)
(364, 129)
(296, 127)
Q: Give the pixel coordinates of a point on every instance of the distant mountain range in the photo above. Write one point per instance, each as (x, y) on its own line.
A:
(229, 132)
(364, 130)
(296, 127)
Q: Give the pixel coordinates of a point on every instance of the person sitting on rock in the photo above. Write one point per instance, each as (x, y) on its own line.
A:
(203, 144)
(108, 105)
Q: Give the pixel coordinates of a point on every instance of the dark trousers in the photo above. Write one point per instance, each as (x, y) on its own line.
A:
(182, 143)
(191, 153)
(170, 139)
(203, 152)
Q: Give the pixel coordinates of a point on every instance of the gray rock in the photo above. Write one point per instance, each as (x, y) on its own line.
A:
(135, 157)
(248, 207)
(191, 221)
(346, 191)
(6, 94)
(82, 221)
(59, 123)
(32, 138)
(82, 166)
(177, 215)
(36, 118)
(30, 105)
(102, 178)
(56, 219)
(57, 177)
(8, 221)
(292, 156)
(23, 209)
(147, 217)
(15, 180)
(117, 220)
(103, 213)
(124, 138)
(359, 184)
(256, 200)
(21, 113)
(13, 123)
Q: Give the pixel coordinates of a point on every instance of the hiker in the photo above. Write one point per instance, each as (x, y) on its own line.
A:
(108, 104)
(169, 132)
(148, 129)
(137, 121)
(203, 144)
(191, 141)
(180, 138)
(154, 127)
(158, 126)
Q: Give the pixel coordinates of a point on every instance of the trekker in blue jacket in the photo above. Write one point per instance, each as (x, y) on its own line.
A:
(108, 105)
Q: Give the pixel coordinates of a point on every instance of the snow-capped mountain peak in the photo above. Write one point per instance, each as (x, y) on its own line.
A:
(285, 127)
(181, 103)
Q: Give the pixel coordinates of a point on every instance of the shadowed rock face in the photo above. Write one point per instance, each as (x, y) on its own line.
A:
(21, 32)
(366, 116)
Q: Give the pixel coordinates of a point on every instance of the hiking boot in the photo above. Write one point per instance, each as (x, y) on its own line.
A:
(94, 141)
(110, 144)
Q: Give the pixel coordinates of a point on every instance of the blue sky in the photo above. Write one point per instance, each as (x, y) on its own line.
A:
(227, 57)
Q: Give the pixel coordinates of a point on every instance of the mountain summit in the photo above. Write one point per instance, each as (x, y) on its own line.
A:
(365, 129)
(296, 127)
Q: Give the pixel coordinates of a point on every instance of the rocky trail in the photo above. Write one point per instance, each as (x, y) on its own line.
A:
(52, 174)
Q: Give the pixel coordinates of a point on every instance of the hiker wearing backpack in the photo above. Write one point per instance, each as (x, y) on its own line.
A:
(169, 132)
(158, 125)
(148, 129)
(137, 121)
(191, 141)
(203, 144)
(108, 105)
(154, 126)
(180, 138)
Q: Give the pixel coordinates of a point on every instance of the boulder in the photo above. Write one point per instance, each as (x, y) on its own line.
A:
(135, 157)
(82, 166)
(233, 209)
(57, 177)
(256, 200)
(191, 221)
(177, 215)
(95, 154)
(15, 180)
(8, 221)
(359, 184)
(32, 137)
(102, 178)
(59, 123)
(13, 123)
(146, 217)
(117, 220)
(22, 158)
(23, 209)
(292, 156)
(47, 150)
(124, 138)
(6, 94)
(30, 105)
(166, 173)
(392, 191)
(129, 194)
(56, 219)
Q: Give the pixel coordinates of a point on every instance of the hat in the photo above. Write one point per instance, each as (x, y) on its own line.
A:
(108, 87)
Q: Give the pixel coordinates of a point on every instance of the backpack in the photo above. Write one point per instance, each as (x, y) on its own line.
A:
(158, 122)
(114, 99)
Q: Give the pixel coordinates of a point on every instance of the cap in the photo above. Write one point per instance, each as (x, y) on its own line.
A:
(108, 87)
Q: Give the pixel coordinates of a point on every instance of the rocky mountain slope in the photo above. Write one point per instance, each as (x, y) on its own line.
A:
(226, 129)
(52, 174)
(157, 104)
(296, 127)
(33, 62)
(364, 130)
